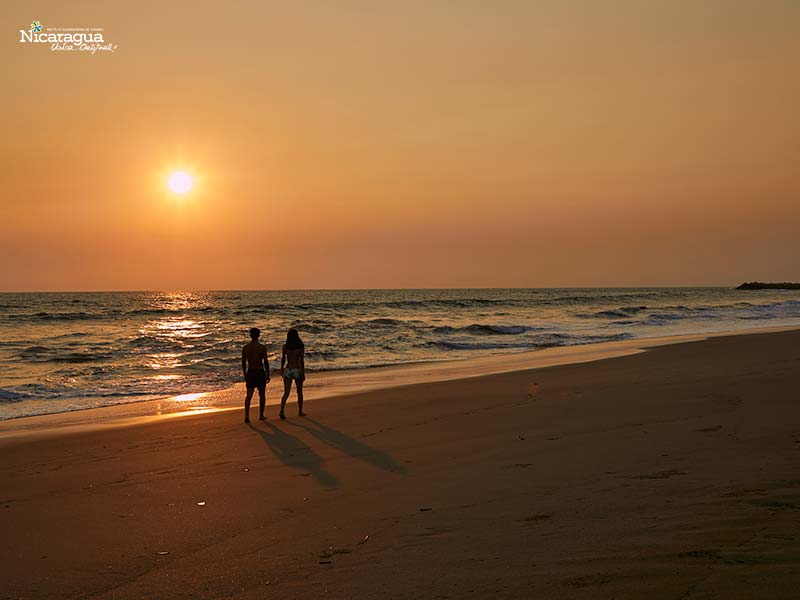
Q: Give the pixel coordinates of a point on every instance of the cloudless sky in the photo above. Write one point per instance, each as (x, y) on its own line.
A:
(402, 144)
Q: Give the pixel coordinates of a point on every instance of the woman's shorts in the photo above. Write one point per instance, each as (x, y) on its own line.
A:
(295, 374)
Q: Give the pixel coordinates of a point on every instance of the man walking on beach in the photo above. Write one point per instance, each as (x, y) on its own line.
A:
(255, 366)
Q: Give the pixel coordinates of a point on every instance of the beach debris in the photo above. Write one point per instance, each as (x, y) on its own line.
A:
(332, 551)
(539, 517)
(519, 437)
(162, 553)
(660, 474)
(364, 541)
(305, 499)
(245, 469)
(425, 509)
(201, 503)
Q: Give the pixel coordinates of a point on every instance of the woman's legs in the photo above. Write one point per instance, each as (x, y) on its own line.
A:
(299, 385)
(287, 387)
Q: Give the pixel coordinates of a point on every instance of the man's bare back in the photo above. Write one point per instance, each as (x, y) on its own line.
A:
(254, 356)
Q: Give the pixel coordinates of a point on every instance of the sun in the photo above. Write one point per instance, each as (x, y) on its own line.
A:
(180, 182)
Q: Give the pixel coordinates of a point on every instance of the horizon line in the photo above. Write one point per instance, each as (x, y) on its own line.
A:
(362, 289)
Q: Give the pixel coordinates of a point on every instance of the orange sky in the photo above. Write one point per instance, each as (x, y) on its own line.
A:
(428, 144)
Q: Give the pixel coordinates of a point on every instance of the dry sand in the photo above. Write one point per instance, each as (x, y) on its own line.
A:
(673, 473)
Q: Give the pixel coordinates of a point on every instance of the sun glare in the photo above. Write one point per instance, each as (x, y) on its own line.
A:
(180, 182)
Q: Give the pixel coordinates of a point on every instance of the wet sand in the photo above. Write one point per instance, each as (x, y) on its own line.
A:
(670, 473)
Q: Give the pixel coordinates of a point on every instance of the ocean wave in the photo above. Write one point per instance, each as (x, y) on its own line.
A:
(44, 355)
(54, 392)
(483, 329)
(307, 328)
(549, 340)
(459, 345)
(54, 316)
(74, 334)
(326, 355)
(145, 387)
(610, 298)
(314, 327)
(383, 321)
(536, 342)
(614, 313)
(414, 304)
(658, 315)
(9, 396)
(33, 351)
(105, 314)
(344, 305)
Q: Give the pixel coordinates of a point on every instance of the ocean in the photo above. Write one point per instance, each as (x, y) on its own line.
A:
(70, 351)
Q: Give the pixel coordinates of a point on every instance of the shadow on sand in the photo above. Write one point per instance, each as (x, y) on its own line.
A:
(350, 446)
(292, 452)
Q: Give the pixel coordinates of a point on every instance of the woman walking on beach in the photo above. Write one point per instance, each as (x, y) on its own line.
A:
(293, 368)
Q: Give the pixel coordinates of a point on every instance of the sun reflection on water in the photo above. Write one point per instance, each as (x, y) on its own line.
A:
(188, 397)
(174, 338)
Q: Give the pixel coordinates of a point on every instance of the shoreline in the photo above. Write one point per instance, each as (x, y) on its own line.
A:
(89, 352)
(332, 384)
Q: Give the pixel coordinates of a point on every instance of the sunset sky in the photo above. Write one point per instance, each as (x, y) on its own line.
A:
(407, 144)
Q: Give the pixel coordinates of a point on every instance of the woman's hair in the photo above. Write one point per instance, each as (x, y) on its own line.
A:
(293, 341)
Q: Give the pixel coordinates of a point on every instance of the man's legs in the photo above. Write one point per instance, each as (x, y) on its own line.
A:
(247, 400)
(262, 402)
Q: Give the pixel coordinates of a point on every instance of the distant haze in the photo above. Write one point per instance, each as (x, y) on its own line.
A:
(406, 144)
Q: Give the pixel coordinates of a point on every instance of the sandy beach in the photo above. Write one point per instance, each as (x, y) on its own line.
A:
(672, 473)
